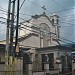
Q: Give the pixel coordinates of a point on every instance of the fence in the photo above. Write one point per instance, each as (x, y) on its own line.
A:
(57, 72)
(18, 72)
(30, 72)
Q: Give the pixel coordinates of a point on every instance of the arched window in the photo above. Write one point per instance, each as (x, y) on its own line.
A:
(52, 21)
(57, 21)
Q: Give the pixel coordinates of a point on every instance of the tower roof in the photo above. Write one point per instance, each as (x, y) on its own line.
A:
(54, 14)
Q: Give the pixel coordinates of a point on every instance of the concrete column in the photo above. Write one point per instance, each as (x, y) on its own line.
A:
(30, 68)
(19, 66)
(46, 64)
(73, 67)
(30, 64)
(58, 62)
(46, 67)
(60, 68)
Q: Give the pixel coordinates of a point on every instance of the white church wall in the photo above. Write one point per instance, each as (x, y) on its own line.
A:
(32, 41)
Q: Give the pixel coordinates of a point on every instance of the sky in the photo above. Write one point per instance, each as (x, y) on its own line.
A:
(64, 8)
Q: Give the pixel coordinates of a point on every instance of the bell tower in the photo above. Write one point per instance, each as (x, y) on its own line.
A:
(55, 23)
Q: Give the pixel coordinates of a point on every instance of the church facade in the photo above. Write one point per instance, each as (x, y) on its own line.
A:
(40, 44)
(46, 30)
(43, 39)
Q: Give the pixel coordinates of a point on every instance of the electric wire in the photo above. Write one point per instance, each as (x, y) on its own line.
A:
(67, 23)
(62, 10)
(21, 5)
(4, 11)
(68, 15)
(23, 19)
(31, 15)
(66, 39)
(52, 12)
(67, 33)
(58, 4)
(38, 5)
(3, 18)
(33, 24)
(37, 32)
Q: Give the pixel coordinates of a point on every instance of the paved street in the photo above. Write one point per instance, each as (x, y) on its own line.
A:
(38, 73)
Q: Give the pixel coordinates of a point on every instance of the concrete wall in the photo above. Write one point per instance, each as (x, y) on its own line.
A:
(19, 63)
(32, 41)
(56, 55)
(45, 24)
(19, 67)
(2, 69)
(2, 56)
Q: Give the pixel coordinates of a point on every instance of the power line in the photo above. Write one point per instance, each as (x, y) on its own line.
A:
(28, 29)
(20, 7)
(62, 10)
(50, 27)
(66, 39)
(63, 41)
(68, 20)
(3, 22)
(15, 12)
(3, 13)
(3, 18)
(67, 23)
(51, 12)
(38, 5)
(63, 22)
(67, 43)
(60, 39)
(22, 4)
(67, 33)
(68, 15)
(34, 24)
(28, 14)
(58, 4)
(3, 10)
(23, 19)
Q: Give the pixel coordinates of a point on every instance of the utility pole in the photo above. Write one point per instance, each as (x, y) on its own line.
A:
(7, 38)
(16, 38)
(11, 51)
(17, 25)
